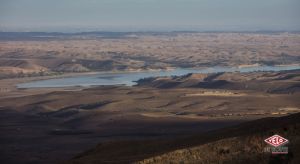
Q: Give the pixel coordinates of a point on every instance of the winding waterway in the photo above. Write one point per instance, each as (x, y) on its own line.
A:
(128, 78)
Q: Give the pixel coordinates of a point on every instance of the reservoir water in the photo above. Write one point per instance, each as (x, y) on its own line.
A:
(128, 78)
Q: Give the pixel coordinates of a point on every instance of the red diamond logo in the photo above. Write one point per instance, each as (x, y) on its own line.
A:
(276, 140)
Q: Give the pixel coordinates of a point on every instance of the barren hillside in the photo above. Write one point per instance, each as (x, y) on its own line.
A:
(144, 51)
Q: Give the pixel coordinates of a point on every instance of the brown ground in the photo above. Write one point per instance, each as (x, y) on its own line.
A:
(271, 82)
(145, 51)
(243, 143)
(55, 125)
(238, 148)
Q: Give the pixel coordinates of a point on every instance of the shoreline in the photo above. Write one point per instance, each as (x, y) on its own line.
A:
(192, 69)
(9, 86)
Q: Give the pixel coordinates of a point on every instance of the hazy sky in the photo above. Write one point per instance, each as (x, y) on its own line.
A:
(128, 15)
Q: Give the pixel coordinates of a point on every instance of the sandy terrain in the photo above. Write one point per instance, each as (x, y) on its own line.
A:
(216, 93)
(271, 82)
(247, 148)
(145, 51)
(243, 143)
(54, 125)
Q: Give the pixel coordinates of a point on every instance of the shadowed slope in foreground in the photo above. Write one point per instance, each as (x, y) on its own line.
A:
(243, 143)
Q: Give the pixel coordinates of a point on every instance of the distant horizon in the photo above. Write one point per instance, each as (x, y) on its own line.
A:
(191, 28)
(75, 31)
(149, 15)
